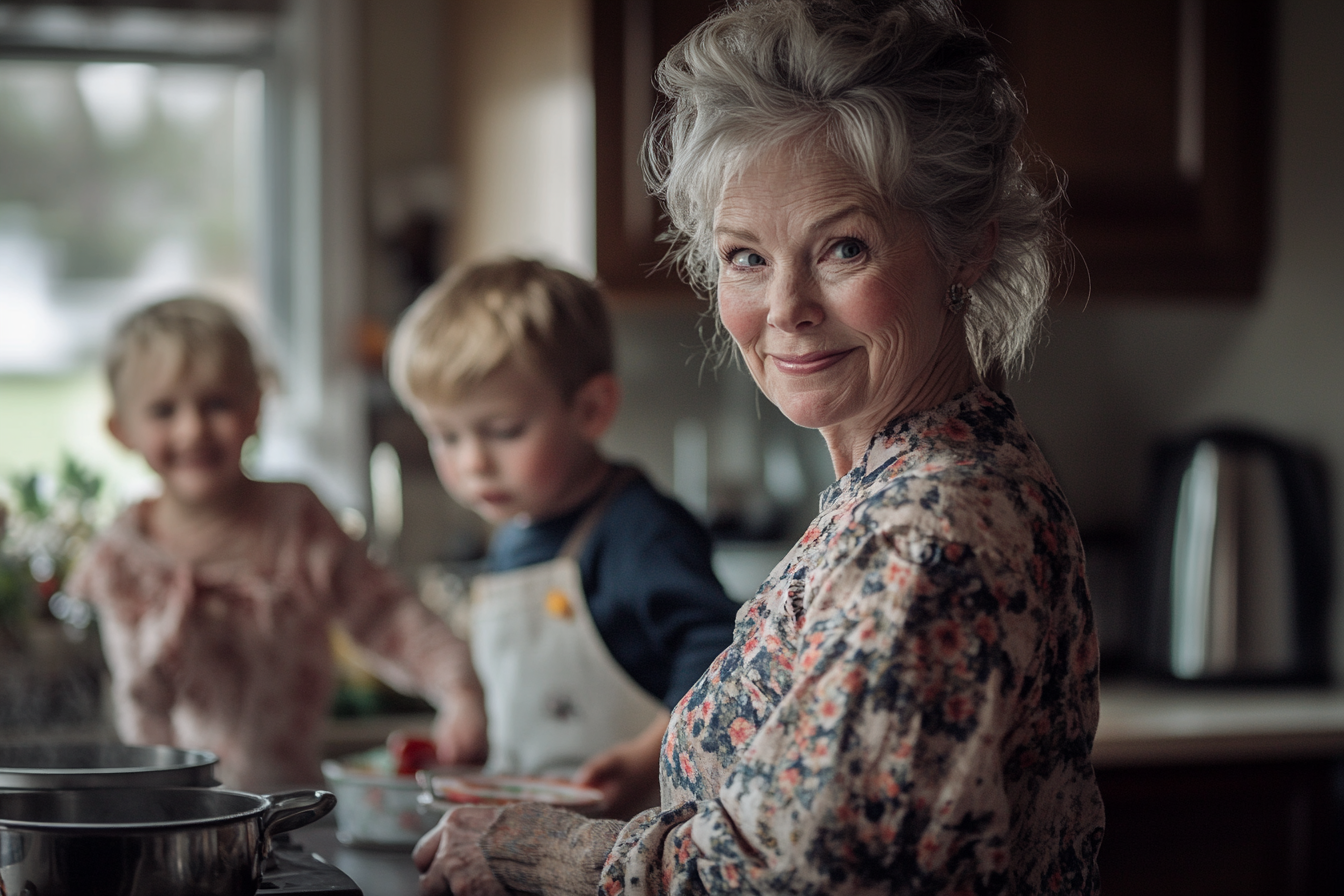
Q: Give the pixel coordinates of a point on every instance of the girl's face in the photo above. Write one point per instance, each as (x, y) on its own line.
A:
(188, 419)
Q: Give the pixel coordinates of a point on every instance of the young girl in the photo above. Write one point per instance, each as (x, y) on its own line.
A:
(215, 598)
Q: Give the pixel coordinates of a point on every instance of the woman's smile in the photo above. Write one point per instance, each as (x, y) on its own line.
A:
(806, 363)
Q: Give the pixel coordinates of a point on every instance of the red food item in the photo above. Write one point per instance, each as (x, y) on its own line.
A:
(410, 753)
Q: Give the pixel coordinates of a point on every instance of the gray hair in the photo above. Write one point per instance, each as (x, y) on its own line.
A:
(907, 95)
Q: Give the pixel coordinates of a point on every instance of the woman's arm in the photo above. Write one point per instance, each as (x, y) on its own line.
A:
(529, 848)
(845, 746)
(924, 724)
(889, 747)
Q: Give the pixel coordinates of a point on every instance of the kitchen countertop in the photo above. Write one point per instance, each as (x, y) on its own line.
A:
(376, 872)
(1158, 724)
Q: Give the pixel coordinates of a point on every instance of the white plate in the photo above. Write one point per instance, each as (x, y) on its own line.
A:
(499, 790)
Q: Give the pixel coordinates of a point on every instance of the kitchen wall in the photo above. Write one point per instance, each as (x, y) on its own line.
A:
(1114, 373)
(1118, 372)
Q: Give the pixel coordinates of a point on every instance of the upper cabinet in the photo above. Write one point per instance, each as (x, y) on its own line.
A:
(630, 37)
(1156, 111)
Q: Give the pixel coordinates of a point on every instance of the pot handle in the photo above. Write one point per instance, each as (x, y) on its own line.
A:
(293, 809)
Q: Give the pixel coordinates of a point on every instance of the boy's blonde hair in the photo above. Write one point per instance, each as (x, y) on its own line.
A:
(478, 317)
(196, 328)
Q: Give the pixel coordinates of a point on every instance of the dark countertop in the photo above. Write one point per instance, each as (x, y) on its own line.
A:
(377, 872)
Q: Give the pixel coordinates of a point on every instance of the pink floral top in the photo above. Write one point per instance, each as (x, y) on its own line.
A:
(234, 656)
(908, 704)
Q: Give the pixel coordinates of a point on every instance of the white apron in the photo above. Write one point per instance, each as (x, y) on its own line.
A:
(554, 695)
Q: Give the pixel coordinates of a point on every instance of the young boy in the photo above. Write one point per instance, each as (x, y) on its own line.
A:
(601, 608)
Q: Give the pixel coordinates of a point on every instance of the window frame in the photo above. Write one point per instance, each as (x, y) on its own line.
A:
(309, 239)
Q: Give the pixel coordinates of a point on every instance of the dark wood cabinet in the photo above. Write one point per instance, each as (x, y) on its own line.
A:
(1157, 111)
(1236, 829)
(630, 37)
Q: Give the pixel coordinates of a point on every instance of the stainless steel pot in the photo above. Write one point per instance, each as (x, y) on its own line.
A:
(79, 765)
(150, 841)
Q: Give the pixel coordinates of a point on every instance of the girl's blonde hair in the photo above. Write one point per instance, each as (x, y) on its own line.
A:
(478, 317)
(196, 328)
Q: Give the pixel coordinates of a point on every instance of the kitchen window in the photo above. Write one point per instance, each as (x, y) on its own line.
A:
(173, 147)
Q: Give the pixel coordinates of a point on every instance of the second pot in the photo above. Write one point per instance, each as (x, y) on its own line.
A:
(34, 766)
(145, 841)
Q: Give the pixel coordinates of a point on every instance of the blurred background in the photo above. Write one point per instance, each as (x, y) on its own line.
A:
(317, 163)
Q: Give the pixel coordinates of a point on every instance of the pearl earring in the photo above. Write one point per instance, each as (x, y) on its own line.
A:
(957, 297)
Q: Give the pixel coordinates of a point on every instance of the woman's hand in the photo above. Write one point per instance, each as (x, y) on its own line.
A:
(449, 857)
(627, 774)
(459, 728)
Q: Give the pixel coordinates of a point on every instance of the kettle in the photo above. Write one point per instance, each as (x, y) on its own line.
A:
(1238, 560)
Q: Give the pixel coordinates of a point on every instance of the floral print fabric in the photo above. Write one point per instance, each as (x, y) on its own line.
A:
(234, 656)
(909, 702)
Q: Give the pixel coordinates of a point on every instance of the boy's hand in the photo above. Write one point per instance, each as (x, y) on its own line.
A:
(459, 728)
(627, 774)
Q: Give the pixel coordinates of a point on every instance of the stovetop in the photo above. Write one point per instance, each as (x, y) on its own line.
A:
(292, 871)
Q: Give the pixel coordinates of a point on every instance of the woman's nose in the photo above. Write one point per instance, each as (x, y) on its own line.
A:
(793, 302)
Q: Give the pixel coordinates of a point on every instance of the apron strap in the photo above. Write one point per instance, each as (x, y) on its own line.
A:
(617, 480)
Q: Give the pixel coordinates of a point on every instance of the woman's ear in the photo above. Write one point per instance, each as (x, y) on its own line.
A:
(595, 405)
(974, 267)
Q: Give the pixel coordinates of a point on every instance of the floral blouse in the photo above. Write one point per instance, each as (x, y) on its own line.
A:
(909, 702)
(234, 656)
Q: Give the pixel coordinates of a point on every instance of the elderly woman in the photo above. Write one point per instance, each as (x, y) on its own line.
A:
(909, 702)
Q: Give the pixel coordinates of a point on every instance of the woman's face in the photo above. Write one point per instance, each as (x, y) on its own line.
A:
(839, 314)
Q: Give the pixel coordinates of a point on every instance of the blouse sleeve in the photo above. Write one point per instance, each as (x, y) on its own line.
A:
(404, 643)
(884, 756)
(138, 636)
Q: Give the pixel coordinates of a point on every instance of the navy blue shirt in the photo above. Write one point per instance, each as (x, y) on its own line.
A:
(649, 582)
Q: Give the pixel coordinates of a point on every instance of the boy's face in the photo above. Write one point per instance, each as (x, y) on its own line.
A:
(188, 419)
(514, 447)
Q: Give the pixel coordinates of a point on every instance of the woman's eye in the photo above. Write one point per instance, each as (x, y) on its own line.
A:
(745, 258)
(847, 249)
(508, 431)
(161, 410)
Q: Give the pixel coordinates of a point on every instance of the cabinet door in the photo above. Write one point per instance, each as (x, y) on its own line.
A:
(1157, 111)
(630, 37)
(1243, 829)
